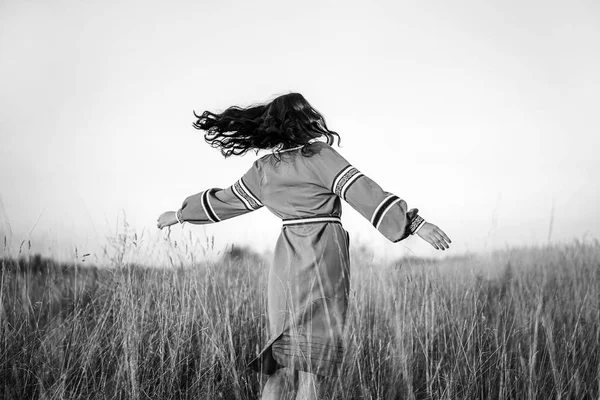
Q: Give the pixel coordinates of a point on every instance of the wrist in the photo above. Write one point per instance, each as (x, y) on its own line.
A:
(178, 217)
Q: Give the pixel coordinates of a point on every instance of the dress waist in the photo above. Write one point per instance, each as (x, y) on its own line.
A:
(312, 220)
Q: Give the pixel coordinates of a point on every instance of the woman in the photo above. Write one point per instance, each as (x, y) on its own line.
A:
(302, 181)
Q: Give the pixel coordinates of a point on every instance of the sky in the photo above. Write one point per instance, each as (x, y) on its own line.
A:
(483, 116)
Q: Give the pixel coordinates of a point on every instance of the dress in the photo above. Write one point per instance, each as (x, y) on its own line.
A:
(309, 279)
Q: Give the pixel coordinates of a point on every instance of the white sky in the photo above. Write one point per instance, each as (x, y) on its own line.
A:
(483, 116)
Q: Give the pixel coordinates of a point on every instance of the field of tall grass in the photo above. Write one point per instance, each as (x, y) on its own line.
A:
(522, 323)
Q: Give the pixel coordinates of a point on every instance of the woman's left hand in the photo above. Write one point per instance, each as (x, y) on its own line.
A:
(434, 236)
(166, 219)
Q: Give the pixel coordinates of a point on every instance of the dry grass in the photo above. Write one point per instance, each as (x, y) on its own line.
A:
(523, 323)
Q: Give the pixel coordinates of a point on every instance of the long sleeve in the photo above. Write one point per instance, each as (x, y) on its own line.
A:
(385, 211)
(215, 204)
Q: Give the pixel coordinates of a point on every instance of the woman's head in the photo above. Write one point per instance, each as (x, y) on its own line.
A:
(285, 122)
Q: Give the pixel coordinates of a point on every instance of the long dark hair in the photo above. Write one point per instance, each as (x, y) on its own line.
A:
(286, 122)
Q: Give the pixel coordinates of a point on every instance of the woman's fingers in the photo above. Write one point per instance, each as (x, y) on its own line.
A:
(441, 240)
(431, 241)
(443, 235)
(437, 242)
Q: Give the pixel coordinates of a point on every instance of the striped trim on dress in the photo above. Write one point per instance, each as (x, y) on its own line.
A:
(344, 179)
(383, 208)
(208, 209)
(311, 220)
(416, 224)
(241, 191)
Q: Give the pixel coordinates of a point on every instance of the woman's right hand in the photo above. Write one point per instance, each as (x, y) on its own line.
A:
(167, 219)
(434, 236)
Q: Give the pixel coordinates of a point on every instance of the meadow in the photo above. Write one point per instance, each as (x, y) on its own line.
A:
(521, 323)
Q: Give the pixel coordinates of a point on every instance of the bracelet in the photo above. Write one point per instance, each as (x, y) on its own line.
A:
(177, 216)
(420, 226)
(416, 224)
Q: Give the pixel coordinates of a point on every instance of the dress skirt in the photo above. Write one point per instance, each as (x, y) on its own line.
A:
(307, 301)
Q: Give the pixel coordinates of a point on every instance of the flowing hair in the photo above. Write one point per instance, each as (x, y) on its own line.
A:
(286, 122)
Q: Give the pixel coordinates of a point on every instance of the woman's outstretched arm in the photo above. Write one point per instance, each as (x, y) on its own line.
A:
(386, 211)
(215, 205)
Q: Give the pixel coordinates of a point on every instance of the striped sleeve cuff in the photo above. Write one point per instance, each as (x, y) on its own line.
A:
(207, 206)
(416, 224)
(382, 209)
